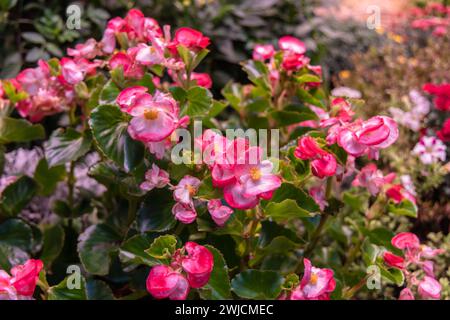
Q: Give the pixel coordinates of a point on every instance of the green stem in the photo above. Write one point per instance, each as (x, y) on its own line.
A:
(348, 294)
(71, 180)
(323, 219)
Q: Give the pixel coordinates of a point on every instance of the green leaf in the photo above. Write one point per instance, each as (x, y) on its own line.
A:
(285, 118)
(19, 130)
(358, 202)
(393, 275)
(48, 178)
(133, 251)
(98, 290)
(95, 246)
(307, 97)
(162, 247)
(218, 286)
(304, 78)
(16, 196)
(199, 102)
(109, 93)
(257, 284)
(66, 145)
(11, 256)
(53, 243)
(156, 213)
(67, 289)
(258, 73)
(16, 233)
(109, 126)
(285, 210)
(404, 208)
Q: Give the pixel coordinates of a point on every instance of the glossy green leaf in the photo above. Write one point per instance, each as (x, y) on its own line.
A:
(65, 146)
(48, 178)
(95, 246)
(163, 247)
(257, 284)
(17, 195)
(19, 130)
(218, 286)
(54, 237)
(109, 126)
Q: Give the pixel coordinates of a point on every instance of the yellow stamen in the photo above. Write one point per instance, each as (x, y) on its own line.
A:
(191, 189)
(255, 173)
(314, 278)
(151, 114)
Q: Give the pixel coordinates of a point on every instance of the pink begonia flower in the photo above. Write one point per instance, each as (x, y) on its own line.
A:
(128, 96)
(430, 150)
(428, 268)
(47, 94)
(148, 55)
(154, 117)
(234, 196)
(318, 194)
(87, 50)
(159, 148)
(316, 284)
(294, 61)
(444, 133)
(22, 282)
(441, 95)
(263, 52)
(323, 164)
(186, 189)
(371, 178)
(258, 179)
(71, 71)
(25, 276)
(308, 148)
(398, 193)
(127, 61)
(202, 79)
(219, 213)
(198, 264)
(406, 294)
(155, 178)
(370, 136)
(429, 288)
(393, 260)
(405, 240)
(189, 38)
(291, 44)
(163, 282)
(185, 213)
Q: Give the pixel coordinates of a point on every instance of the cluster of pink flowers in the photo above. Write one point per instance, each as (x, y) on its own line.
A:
(372, 178)
(47, 94)
(21, 283)
(190, 267)
(419, 256)
(294, 58)
(435, 16)
(316, 284)
(51, 89)
(239, 169)
(154, 117)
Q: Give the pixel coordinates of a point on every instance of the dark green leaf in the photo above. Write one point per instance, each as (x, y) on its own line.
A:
(17, 195)
(19, 130)
(257, 284)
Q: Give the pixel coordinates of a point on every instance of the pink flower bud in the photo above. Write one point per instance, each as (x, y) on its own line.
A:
(198, 264)
(405, 240)
(162, 282)
(26, 276)
(429, 288)
(219, 213)
(393, 260)
(406, 294)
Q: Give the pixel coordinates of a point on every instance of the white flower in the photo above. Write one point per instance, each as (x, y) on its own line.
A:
(408, 184)
(430, 150)
(346, 92)
(413, 118)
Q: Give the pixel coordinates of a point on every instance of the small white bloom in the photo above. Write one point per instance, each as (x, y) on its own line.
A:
(430, 150)
(346, 92)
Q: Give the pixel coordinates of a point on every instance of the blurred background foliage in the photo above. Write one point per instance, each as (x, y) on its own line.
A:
(31, 30)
